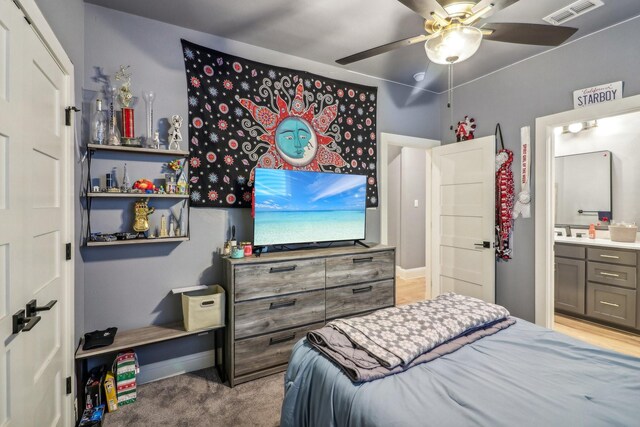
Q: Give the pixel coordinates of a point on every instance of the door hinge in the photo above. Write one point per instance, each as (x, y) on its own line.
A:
(68, 384)
(67, 116)
(68, 251)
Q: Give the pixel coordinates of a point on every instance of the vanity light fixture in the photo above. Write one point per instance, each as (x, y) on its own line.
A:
(575, 127)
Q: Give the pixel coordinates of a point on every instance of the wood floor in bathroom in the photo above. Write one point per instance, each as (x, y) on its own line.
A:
(412, 290)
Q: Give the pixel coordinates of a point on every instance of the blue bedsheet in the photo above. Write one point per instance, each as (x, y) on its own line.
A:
(522, 376)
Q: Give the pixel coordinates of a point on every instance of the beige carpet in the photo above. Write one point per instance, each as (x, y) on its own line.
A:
(199, 399)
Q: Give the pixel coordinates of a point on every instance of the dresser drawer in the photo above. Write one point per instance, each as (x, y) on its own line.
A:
(612, 274)
(278, 278)
(569, 251)
(352, 299)
(612, 256)
(274, 314)
(612, 304)
(254, 354)
(345, 270)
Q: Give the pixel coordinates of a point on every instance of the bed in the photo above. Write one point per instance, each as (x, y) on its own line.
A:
(524, 375)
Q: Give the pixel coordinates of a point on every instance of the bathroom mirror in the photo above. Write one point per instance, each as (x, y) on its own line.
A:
(583, 188)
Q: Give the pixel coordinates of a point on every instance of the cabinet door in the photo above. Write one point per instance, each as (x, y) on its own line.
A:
(570, 285)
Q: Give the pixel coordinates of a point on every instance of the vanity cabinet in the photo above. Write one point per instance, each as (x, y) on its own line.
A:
(275, 299)
(597, 283)
(570, 280)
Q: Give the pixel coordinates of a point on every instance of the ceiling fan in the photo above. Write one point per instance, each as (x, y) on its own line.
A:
(452, 37)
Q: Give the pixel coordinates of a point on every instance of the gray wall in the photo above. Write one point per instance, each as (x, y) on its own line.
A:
(538, 87)
(128, 287)
(414, 181)
(66, 19)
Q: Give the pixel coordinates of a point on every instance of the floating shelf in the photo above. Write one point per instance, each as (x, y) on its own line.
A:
(139, 195)
(124, 148)
(139, 241)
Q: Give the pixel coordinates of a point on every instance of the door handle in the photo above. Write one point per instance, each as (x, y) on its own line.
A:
(23, 323)
(484, 245)
(33, 309)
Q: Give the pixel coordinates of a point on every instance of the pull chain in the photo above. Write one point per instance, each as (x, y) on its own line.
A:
(450, 94)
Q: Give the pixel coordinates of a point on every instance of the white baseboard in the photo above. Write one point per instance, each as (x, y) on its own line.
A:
(172, 367)
(410, 273)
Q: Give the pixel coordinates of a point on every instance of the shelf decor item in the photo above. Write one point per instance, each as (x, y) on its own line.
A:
(174, 132)
(170, 182)
(126, 181)
(125, 96)
(113, 137)
(163, 227)
(149, 97)
(142, 212)
(99, 124)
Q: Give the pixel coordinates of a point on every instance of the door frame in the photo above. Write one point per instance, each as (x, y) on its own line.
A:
(544, 204)
(388, 140)
(51, 42)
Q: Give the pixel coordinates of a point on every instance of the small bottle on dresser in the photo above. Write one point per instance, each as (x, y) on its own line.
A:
(592, 231)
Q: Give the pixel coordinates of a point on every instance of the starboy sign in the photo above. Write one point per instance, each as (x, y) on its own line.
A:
(597, 94)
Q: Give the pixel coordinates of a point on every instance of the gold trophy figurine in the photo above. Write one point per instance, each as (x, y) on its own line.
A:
(142, 211)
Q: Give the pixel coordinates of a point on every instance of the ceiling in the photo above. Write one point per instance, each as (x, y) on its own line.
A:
(325, 30)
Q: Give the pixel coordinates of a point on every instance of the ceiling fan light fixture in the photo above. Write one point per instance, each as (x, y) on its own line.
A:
(454, 44)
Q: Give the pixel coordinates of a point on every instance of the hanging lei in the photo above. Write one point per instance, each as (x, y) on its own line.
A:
(504, 199)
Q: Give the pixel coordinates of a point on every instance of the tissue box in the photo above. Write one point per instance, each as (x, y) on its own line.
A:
(623, 233)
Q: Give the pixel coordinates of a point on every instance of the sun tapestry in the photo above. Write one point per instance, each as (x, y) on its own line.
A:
(244, 114)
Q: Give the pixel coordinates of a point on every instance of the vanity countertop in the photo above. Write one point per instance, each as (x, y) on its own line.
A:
(597, 242)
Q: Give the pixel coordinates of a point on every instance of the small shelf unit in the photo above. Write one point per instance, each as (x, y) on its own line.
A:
(89, 196)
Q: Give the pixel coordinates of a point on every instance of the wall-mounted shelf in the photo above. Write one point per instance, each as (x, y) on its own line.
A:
(139, 195)
(126, 149)
(140, 241)
(94, 149)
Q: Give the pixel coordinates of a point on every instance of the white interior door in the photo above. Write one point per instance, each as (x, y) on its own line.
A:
(463, 218)
(35, 224)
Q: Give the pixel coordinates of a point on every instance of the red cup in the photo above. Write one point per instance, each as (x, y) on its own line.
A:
(248, 249)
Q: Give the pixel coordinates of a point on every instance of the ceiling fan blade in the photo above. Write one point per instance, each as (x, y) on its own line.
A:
(534, 34)
(381, 49)
(424, 8)
(497, 5)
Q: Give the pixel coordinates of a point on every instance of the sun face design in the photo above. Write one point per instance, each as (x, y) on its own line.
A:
(296, 134)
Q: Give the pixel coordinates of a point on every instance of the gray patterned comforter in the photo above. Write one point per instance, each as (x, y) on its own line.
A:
(397, 335)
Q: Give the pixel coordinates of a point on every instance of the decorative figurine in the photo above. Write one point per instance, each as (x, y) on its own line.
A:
(163, 226)
(172, 230)
(142, 212)
(174, 133)
(465, 129)
(183, 222)
(144, 186)
(170, 183)
(125, 96)
(126, 182)
(181, 187)
(156, 140)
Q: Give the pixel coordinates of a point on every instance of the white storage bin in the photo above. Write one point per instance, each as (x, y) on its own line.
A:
(623, 233)
(204, 308)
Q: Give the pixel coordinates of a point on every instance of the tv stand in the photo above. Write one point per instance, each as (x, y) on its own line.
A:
(361, 243)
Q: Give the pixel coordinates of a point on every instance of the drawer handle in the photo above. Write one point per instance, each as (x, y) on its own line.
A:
(282, 269)
(280, 340)
(604, 273)
(363, 290)
(359, 260)
(275, 305)
(609, 256)
(609, 303)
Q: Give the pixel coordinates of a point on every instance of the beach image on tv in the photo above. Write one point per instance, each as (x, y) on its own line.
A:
(306, 207)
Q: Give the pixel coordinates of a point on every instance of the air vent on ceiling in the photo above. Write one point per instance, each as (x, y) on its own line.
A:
(573, 11)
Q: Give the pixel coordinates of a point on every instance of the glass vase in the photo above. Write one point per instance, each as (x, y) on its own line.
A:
(149, 97)
(113, 137)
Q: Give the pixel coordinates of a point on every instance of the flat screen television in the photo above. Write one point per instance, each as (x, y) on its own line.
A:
(308, 207)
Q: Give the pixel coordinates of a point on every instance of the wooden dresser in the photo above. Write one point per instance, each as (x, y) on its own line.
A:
(275, 299)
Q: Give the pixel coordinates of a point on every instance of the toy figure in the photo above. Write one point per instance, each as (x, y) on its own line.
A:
(174, 132)
(144, 185)
(142, 212)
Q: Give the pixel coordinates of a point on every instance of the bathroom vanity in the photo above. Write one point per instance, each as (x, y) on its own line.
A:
(597, 279)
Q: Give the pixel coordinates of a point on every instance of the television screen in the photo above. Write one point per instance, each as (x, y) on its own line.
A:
(306, 207)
